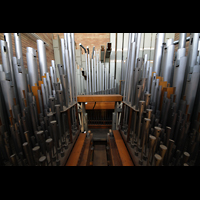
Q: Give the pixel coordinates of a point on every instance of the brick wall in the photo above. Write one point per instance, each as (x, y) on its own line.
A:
(28, 42)
(89, 39)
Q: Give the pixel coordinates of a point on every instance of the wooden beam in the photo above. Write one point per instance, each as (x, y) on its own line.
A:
(123, 152)
(76, 151)
(86, 152)
(99, 98)
(113, 152)
(100, 105)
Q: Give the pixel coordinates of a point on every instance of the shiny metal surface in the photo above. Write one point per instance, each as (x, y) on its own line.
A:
(42, 57)
(167, 62)
(8, 95)
(191, 87)
(158, 52)
(179, 71)
(20, 82)
(5, 57)
(182, 40)
(32, 66)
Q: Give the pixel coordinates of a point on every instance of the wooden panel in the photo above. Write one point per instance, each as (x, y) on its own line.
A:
(99, 126)
(114, 154)
(84, 158)
(75, 154)
(123, 152)
(100, 157)
(100, 105)
(97, 98)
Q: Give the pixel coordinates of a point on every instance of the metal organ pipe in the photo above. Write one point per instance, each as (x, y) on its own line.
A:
(158, 52)
(32, 66)
(42, 57)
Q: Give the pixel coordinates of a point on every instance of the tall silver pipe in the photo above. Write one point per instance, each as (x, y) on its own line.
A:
(95, 81)
(137, 50)
(100, 76)
(158, 52)
(42, 57)
(179, 71)
(182, 40)
(65, 89)
(5, 59)
(103, 78)
(191, 87)
(149, 72)
(63, 54)
(49, 84)
(144, 66)
(52, 77)
(18, 50)
(68, 73)
(97, 61)
(69, 47)
(21, 83)
(167, 62)
(46, 90)
(55, 71)
(8, 39)
(40, 101)
(32, 66)
(74, 64)
(8, 95)
(89, 77)
(192, 57)
(107, 77)
(92, 76)
(44, 96)
(131, 39)
(2, 102)
(132, 61)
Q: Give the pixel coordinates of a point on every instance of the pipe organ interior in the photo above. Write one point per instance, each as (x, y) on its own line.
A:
(116, 105)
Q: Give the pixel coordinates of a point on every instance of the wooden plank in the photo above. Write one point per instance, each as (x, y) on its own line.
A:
(123, 152)
(99, 126)
(76, 151)
(114, 154)
(84, 158)
(100, 105)
(99, 98)
(100, 157)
